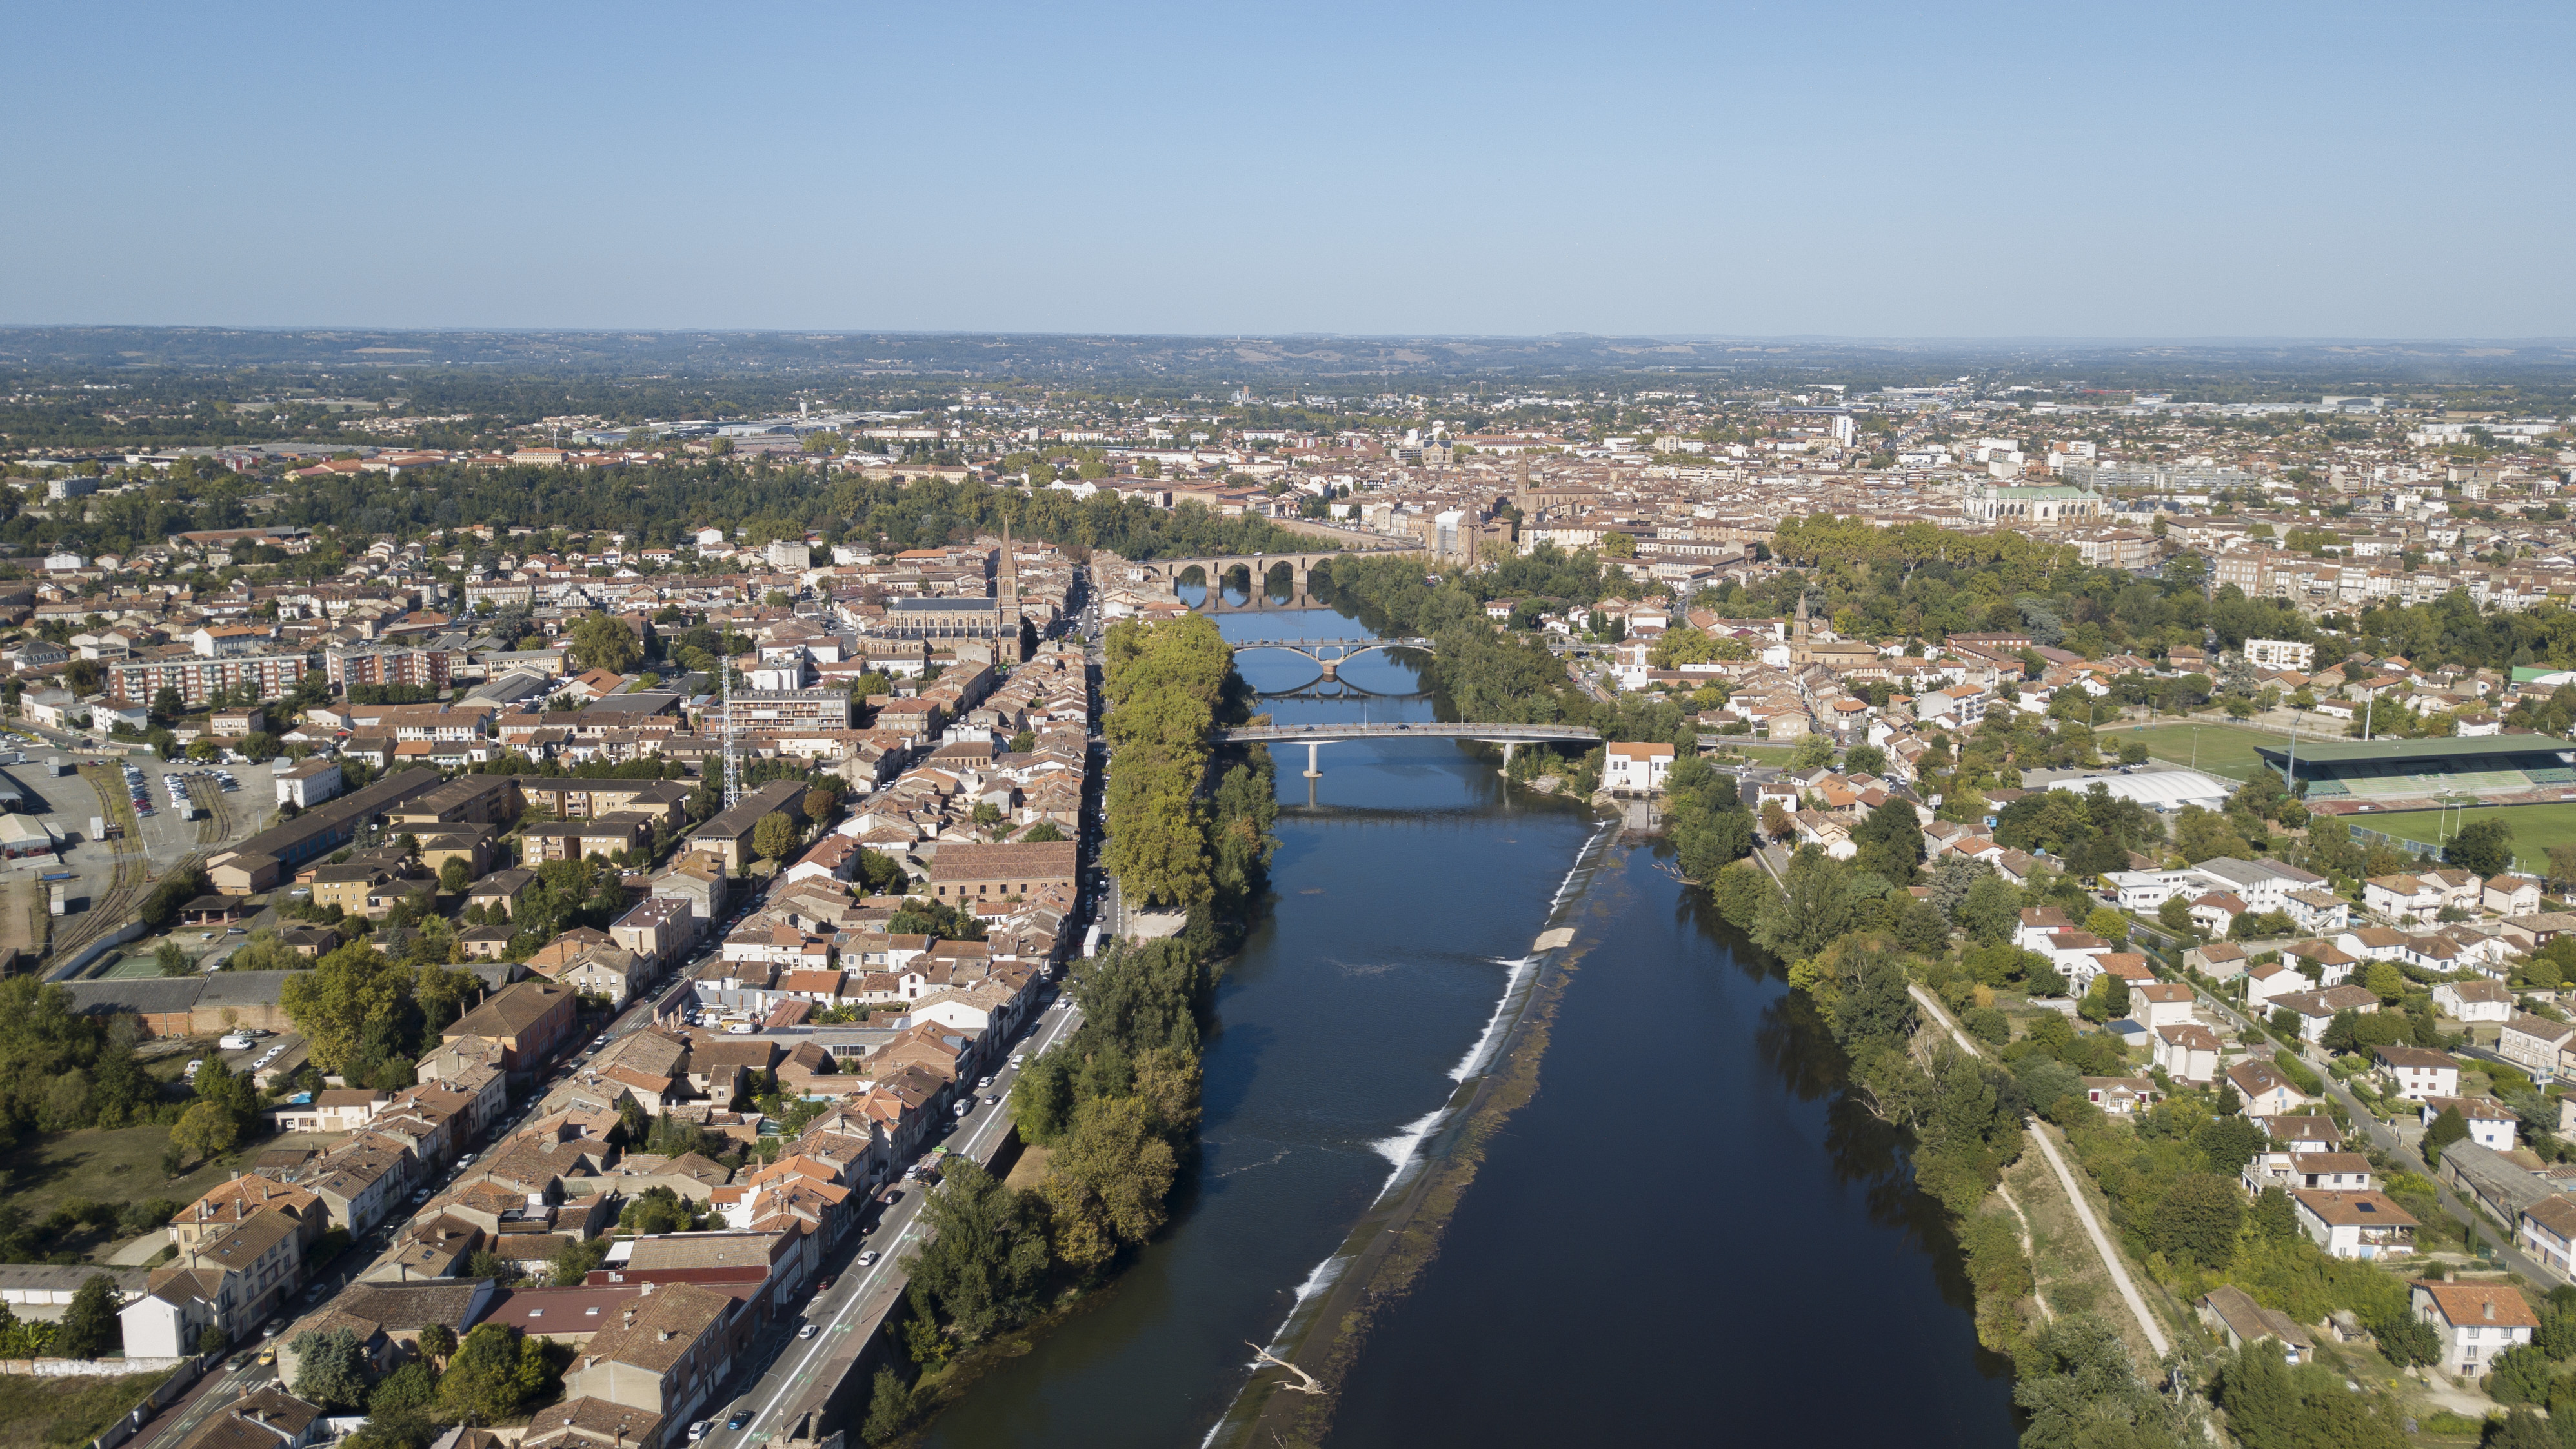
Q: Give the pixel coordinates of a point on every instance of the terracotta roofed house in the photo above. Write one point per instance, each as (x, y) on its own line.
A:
(2476, 1321)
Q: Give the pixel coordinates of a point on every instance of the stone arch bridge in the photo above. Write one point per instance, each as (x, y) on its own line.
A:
(1257, 568)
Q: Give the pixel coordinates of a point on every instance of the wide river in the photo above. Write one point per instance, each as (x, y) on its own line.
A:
(1686, 1236)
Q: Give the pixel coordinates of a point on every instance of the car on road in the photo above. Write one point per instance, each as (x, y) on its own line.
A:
(272, 1328)
(868, 1259)
(698, 1430)
(808, 1331)
(1018, 1060)
(893, 1195)
(740, 1418)
(979, 1086)
(993, 1100)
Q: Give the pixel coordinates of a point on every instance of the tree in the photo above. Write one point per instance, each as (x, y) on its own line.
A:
(438, 1343)
(1889, 843)
(1865, 760)
(493, 1373)
(1811, 912)
(2447, 1128)
(2108, 924)
(2198, 1218)
(603, 642)
(2519, 1375)
(331, 1369)
(407, 1390)
(2520, 1428)
(2080, 1390)
(89, 1326)
(987, 1254)
(2108, 1000)
(2484, 847)
(2562, 864)
(454, 875)
(1107, 1181)
(774, 836)
(205, 1129)
(2407, 1340)
(2174, 914)
(821, 805)
(1952, 881)
(1810, 751)
(892, 1410)
(2384, 981)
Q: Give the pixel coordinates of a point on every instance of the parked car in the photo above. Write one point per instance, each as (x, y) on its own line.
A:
(740, 1418)
(808, 1331)
(698, 1430)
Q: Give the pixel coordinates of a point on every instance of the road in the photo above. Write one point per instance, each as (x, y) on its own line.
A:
(2385, 1138)
(847, 1312)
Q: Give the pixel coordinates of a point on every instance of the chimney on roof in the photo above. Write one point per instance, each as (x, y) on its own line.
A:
(2490, 1307)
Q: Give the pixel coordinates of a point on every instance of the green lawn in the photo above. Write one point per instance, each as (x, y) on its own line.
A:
(123, 1166)
(2535, 827)
(2222, 749)
(1761, 754)
(58, 1413)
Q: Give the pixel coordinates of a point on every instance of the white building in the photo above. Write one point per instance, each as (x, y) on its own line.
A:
(2476, 1321)
(1636, 768)
(2278, 654)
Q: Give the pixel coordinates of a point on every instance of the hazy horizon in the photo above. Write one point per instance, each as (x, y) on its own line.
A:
(1856, 172)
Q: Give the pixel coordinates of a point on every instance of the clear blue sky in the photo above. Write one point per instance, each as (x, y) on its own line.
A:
(1881, 170)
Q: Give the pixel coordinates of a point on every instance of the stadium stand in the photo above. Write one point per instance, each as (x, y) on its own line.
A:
(2341, 776)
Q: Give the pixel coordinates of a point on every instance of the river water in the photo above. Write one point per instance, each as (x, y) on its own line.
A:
(1683, 1234)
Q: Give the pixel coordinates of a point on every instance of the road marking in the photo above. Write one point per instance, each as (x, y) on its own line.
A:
(889, 1259)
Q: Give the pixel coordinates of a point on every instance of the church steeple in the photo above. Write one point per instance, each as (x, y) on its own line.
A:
(1800, 636)
(1007, 591)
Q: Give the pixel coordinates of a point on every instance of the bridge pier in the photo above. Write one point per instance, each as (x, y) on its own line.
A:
(1332, 668)
(1312, 773)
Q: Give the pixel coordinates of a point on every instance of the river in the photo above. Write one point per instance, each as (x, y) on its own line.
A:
(1682, 1234)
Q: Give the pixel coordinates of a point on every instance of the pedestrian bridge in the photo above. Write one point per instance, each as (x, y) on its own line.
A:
(1331, 654)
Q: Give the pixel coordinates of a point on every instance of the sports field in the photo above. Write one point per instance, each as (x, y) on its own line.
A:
(2224, 750)
(2535, 827)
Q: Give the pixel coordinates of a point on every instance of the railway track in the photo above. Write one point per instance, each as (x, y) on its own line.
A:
(132, 877)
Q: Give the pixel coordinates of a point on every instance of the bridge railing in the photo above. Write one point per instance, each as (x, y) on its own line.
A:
(1418, 731)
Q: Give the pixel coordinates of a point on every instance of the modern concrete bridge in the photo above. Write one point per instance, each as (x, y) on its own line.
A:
(1332, 654)
(1314, 737)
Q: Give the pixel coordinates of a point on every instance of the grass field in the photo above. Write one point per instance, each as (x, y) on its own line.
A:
(2535, 827)
(1761, 754)
(123, 1166)
(2222, 750)
(57, 1413)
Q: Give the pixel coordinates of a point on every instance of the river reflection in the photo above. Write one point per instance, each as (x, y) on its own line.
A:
(1692, 1233)
(1689, 1234)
